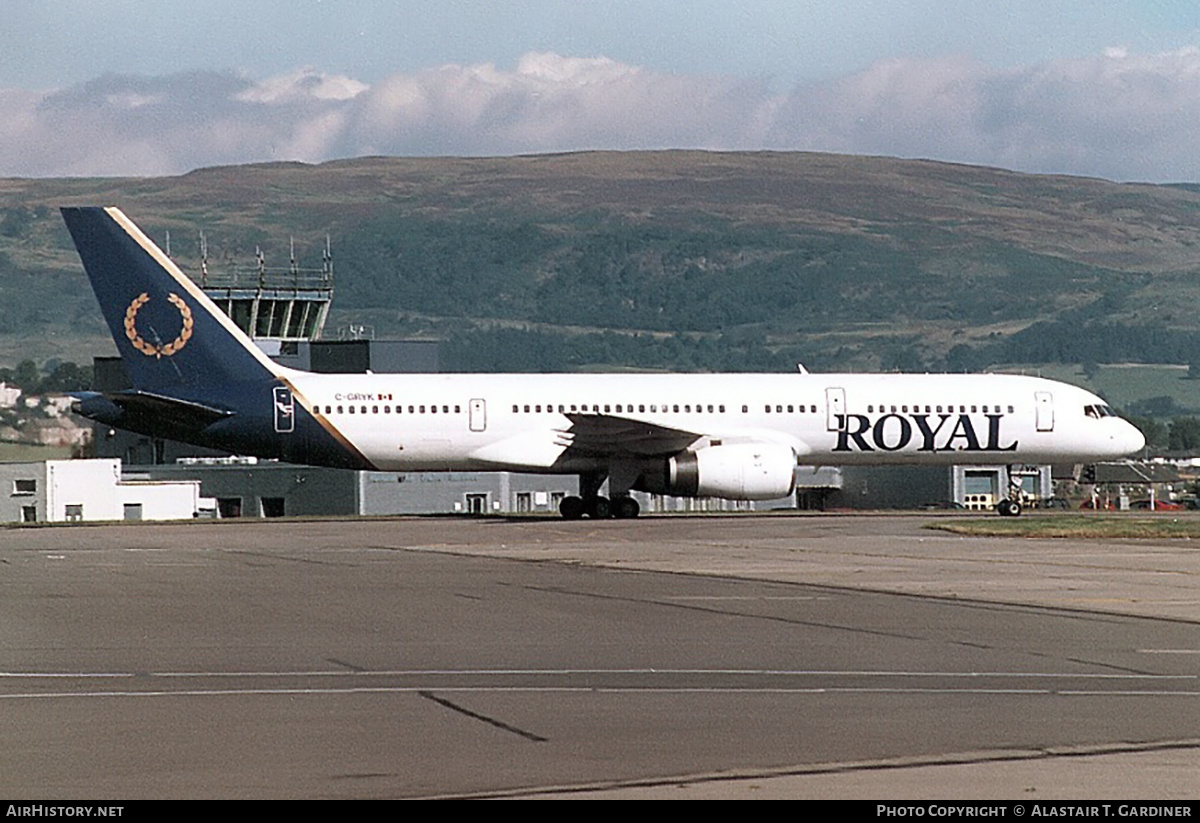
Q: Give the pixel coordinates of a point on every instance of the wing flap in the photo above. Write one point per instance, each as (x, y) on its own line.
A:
(602, 435)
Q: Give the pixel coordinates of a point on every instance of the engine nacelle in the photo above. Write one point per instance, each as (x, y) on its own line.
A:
(740, 471)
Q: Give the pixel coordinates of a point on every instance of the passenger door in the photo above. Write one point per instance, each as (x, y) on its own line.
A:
(835, 409)
(478, 415)
(1045, 411)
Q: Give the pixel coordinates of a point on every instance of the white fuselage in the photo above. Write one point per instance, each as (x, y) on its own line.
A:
(525, 421)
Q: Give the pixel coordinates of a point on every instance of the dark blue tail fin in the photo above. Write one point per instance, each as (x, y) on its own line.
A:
(172, 338)
(196, 376)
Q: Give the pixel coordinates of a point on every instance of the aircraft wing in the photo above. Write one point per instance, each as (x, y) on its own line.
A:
(602, 435)
(599, 437)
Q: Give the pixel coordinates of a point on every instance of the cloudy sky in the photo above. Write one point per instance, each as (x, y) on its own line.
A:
(135, 87)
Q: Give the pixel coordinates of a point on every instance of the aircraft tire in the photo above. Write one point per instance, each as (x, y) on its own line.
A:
(571, 508)
(598, 508)
(625, 508)
(1009, 508)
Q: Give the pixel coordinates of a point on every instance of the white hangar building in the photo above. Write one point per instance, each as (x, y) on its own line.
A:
(59, 491)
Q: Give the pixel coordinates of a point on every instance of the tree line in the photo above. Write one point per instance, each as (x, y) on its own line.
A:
(1180, 434)
(55, 377)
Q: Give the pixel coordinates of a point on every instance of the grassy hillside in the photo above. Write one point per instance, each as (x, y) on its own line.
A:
(663, 259)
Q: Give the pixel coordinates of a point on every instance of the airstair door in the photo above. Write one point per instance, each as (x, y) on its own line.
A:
(835, 409)
(478, 412)
(1045, 411)
(285, 410)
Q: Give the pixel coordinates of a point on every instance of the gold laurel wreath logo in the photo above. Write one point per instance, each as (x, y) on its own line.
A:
(150, 349)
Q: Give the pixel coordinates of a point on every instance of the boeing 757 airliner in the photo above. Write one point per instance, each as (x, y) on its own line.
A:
(198, 378)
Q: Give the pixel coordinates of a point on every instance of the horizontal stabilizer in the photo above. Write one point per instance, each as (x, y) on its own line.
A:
(150, 413)
(199, 414)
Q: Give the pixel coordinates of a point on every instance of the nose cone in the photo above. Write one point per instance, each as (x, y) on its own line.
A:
(1128, 439)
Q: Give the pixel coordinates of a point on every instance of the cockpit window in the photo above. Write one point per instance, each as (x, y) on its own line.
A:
(1099, 410)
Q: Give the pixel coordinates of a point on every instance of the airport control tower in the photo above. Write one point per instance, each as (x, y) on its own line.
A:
(284, 310)
(288, 305)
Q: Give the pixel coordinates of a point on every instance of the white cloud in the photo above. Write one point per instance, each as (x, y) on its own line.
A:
(1116, 114)
(552, 103)
(305, 84)
(571, 71)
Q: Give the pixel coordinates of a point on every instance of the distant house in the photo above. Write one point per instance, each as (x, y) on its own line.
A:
(9, 396)
(61, 431)
(56, 405)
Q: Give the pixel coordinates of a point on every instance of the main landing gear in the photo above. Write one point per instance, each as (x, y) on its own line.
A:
(1010, 506)
(598, 507)
(594, 505)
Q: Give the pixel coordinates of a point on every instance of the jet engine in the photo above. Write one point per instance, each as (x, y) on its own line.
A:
(740, 471)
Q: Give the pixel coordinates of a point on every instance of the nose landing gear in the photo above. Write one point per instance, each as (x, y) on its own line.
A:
(1010, 506)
